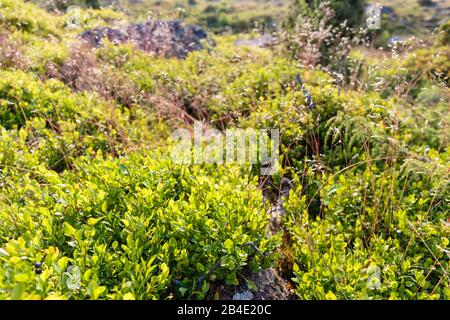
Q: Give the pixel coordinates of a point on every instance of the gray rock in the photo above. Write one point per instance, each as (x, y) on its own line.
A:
(170, 38)
(261, 42)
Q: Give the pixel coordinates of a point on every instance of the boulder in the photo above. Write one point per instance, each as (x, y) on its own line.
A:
(171, 38)
(264, 41)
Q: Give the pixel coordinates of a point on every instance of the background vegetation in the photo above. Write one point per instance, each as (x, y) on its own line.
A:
(92, 207)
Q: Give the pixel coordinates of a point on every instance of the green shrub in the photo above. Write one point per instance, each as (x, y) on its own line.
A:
(351, 11)
(57, 125)
(375, 239)
(91, 207)
(131, 228)
(444, 37)
(17, 15)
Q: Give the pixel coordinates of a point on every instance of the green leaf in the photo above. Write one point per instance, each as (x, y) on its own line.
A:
(129, 296)
(105, 207)
(123, 169)
(21, 277)
(252, 286)
(228, 244)
(62, 263)
(93, 221)
(87, 275)
(3, 252)
(231, 279)
(69, 230)
(164, 269)
(330, 296)
(18, 291)
(98, 291)
(183, 291)
(205, 287)
(94, 291)
(14, 260)
(200, 267)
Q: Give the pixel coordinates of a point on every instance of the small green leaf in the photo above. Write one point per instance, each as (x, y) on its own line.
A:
(330, 296)
(183, 291)
(123, 169)
(93, 221)
(69, 230)
(18, 291)
(205, 286)
(228, 244)
(62, 263)
(252, 286)
(164, 269)
(14, 260)
(128, 296)
(94, 291)
(87, 275)
(21, 277)
(231, 280)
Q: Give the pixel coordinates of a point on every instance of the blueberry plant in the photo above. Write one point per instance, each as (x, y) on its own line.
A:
(93, 207)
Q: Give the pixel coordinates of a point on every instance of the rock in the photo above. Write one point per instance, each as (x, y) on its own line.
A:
(264, 41)
(170, 38)
(271, 286)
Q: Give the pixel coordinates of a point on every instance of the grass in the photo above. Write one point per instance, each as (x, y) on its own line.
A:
(93, 206)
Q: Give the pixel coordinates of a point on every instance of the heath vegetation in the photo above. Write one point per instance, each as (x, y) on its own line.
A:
(92, 206)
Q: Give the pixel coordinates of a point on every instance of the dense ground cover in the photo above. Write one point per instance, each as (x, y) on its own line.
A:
(92, 206)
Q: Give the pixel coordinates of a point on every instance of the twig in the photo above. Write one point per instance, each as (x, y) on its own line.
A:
(252, 245)
(204, 276)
